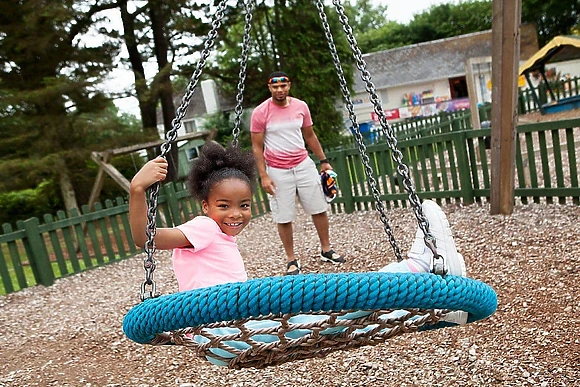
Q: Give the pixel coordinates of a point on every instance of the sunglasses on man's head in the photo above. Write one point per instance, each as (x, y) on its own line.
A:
(279, 80)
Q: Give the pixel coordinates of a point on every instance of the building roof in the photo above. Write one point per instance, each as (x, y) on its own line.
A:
(435, 60)
(559, 49)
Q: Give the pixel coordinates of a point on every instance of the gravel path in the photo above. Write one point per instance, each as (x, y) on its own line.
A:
(70, 334)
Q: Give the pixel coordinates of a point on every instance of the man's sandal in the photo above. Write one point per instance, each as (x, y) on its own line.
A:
(293, 264)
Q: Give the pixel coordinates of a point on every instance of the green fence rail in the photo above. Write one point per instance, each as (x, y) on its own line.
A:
(447, 165)
(562, 88)
(455, 166)
(36, 253)
(421, 126)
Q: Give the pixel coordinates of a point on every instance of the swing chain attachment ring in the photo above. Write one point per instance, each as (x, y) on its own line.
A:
(437, 261)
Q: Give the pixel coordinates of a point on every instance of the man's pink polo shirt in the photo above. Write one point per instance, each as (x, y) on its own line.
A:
(283, 142)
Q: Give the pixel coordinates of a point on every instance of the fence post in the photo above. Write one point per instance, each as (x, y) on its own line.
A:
(172, 203)
(521, 102)
(460, 146)
(344, 181)
(37, 254)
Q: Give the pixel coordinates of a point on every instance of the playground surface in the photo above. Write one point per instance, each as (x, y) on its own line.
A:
(70, 334)
(538, 117)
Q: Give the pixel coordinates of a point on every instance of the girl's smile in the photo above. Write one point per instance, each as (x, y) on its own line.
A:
(229, 204)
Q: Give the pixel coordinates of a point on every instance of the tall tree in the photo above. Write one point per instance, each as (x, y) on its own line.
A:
(49, 94)
(300, 49)
(438, 22)
(390, 35)
(365, 16)
(447, 20)
(552, 18)
(159, 31)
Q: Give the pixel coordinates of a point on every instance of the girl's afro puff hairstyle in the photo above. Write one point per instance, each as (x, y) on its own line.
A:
(216, 163)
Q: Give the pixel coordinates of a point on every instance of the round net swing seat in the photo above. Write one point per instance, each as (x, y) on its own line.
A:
(270, 321)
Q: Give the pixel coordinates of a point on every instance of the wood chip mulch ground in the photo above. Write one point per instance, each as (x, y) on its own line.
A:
(70, 334)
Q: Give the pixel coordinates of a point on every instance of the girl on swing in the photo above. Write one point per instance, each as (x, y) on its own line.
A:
(205, 252)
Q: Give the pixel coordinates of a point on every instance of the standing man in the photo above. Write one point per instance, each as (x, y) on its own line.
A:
(280, 127)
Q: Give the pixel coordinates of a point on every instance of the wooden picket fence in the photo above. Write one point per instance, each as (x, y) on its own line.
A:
(446, 165)
(565, 88)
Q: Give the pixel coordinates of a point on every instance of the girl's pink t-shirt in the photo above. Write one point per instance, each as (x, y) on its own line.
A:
(213, 260)
(282, 126)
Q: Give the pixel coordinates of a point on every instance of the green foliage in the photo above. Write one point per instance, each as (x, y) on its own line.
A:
(53, 113)
(27, 203)
(93, 132)
(280, 43)
(448, 20)
(364, 16)
(223, 123)
(552, 18)
(391, 35)
(438, 22)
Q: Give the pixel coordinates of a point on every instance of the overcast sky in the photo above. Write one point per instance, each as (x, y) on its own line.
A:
(401, 11)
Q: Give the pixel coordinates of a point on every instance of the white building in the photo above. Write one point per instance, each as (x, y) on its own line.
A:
(426, 78)
(206, 101)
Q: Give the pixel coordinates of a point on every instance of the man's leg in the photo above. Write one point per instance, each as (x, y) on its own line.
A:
(313, 202)
(286, 236)
(321, 223)
(285, 231)
(283, 207)
(327, 254)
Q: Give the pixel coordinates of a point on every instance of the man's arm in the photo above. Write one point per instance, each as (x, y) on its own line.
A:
(314, 145)
(258, 150)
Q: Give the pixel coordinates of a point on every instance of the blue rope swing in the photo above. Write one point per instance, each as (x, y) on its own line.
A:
(307, 293)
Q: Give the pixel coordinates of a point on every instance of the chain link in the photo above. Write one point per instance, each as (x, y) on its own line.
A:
(389, 135)
(360, 141)
(242, 77)
(149, 261)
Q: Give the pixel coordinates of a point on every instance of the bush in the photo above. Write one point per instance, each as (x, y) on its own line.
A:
(27, 203)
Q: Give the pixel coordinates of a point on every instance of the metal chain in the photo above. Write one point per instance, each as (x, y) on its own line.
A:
(437, 264)
(360, 141)
(242, 75)
(149, 261)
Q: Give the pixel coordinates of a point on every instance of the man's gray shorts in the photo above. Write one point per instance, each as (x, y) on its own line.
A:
(302, 180)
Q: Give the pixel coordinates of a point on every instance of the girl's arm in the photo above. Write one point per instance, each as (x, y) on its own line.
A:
(165, 238)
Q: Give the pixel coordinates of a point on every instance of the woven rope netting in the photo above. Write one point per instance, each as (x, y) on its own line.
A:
(334, 331)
